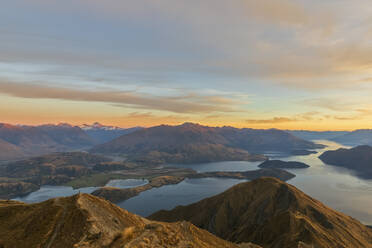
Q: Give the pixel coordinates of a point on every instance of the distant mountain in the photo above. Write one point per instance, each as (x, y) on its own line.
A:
(102, 134)
(316, 135)
(357, 159)
(86, 221)
(273, 214)
(357, 137)
(191, 143)
(9, 151)
(24, 141)
(67, 135)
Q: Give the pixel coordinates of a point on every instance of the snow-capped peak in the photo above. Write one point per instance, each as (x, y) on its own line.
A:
(99, 126)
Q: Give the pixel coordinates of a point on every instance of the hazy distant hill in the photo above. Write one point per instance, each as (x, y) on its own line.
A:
(24, 176)
(357, 137)
(102, 134)
(67, 135)
(272, 214)
(23, 141)
(86, 221)
(316, 135)
(189, 143)
(358, 159)
(9, 151)
(354, 138)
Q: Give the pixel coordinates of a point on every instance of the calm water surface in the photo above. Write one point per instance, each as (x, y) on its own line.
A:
(334, 186)
(46, 192)
(170, 196)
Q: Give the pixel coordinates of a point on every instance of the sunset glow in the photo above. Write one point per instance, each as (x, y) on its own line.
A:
(288, 64)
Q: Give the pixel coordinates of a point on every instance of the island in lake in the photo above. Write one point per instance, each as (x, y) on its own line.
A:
(303, 152)
(278, 164)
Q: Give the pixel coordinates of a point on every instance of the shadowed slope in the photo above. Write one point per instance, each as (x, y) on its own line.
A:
(273, 214)
(25, 141)
(87, 221)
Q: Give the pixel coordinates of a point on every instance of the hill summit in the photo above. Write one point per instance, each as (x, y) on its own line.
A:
(85, 221)
(273, 214)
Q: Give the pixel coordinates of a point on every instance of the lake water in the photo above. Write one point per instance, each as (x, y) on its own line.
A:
(46, 192)
(170, 196)
(334, 186)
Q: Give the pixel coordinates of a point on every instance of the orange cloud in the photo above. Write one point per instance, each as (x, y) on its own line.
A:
(274, 120)
(183, 104)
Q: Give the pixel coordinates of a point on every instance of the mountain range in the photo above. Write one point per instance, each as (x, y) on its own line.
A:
(350, 138)
(21, 141)
(24, 141)
(193, 143)
(316, 135)
(102, 134)
(357, 137)
(273, 214)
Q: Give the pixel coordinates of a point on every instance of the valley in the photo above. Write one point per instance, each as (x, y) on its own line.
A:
(332, 183)
(158, 182)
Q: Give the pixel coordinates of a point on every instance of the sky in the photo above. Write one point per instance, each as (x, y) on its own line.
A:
(288, 64)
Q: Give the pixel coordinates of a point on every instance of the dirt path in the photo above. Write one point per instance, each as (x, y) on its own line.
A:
(59, 223)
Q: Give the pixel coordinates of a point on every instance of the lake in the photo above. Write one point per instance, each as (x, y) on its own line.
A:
(46, 192)
(334, 186)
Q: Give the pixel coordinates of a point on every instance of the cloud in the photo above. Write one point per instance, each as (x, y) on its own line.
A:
(300, 117)
(331, 103)
(274, 120)
(355, 115)
(307, 44)
(274, 50)
(189, 104)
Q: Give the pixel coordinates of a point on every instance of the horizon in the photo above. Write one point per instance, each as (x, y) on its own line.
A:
(288, 64)
(176, 124)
